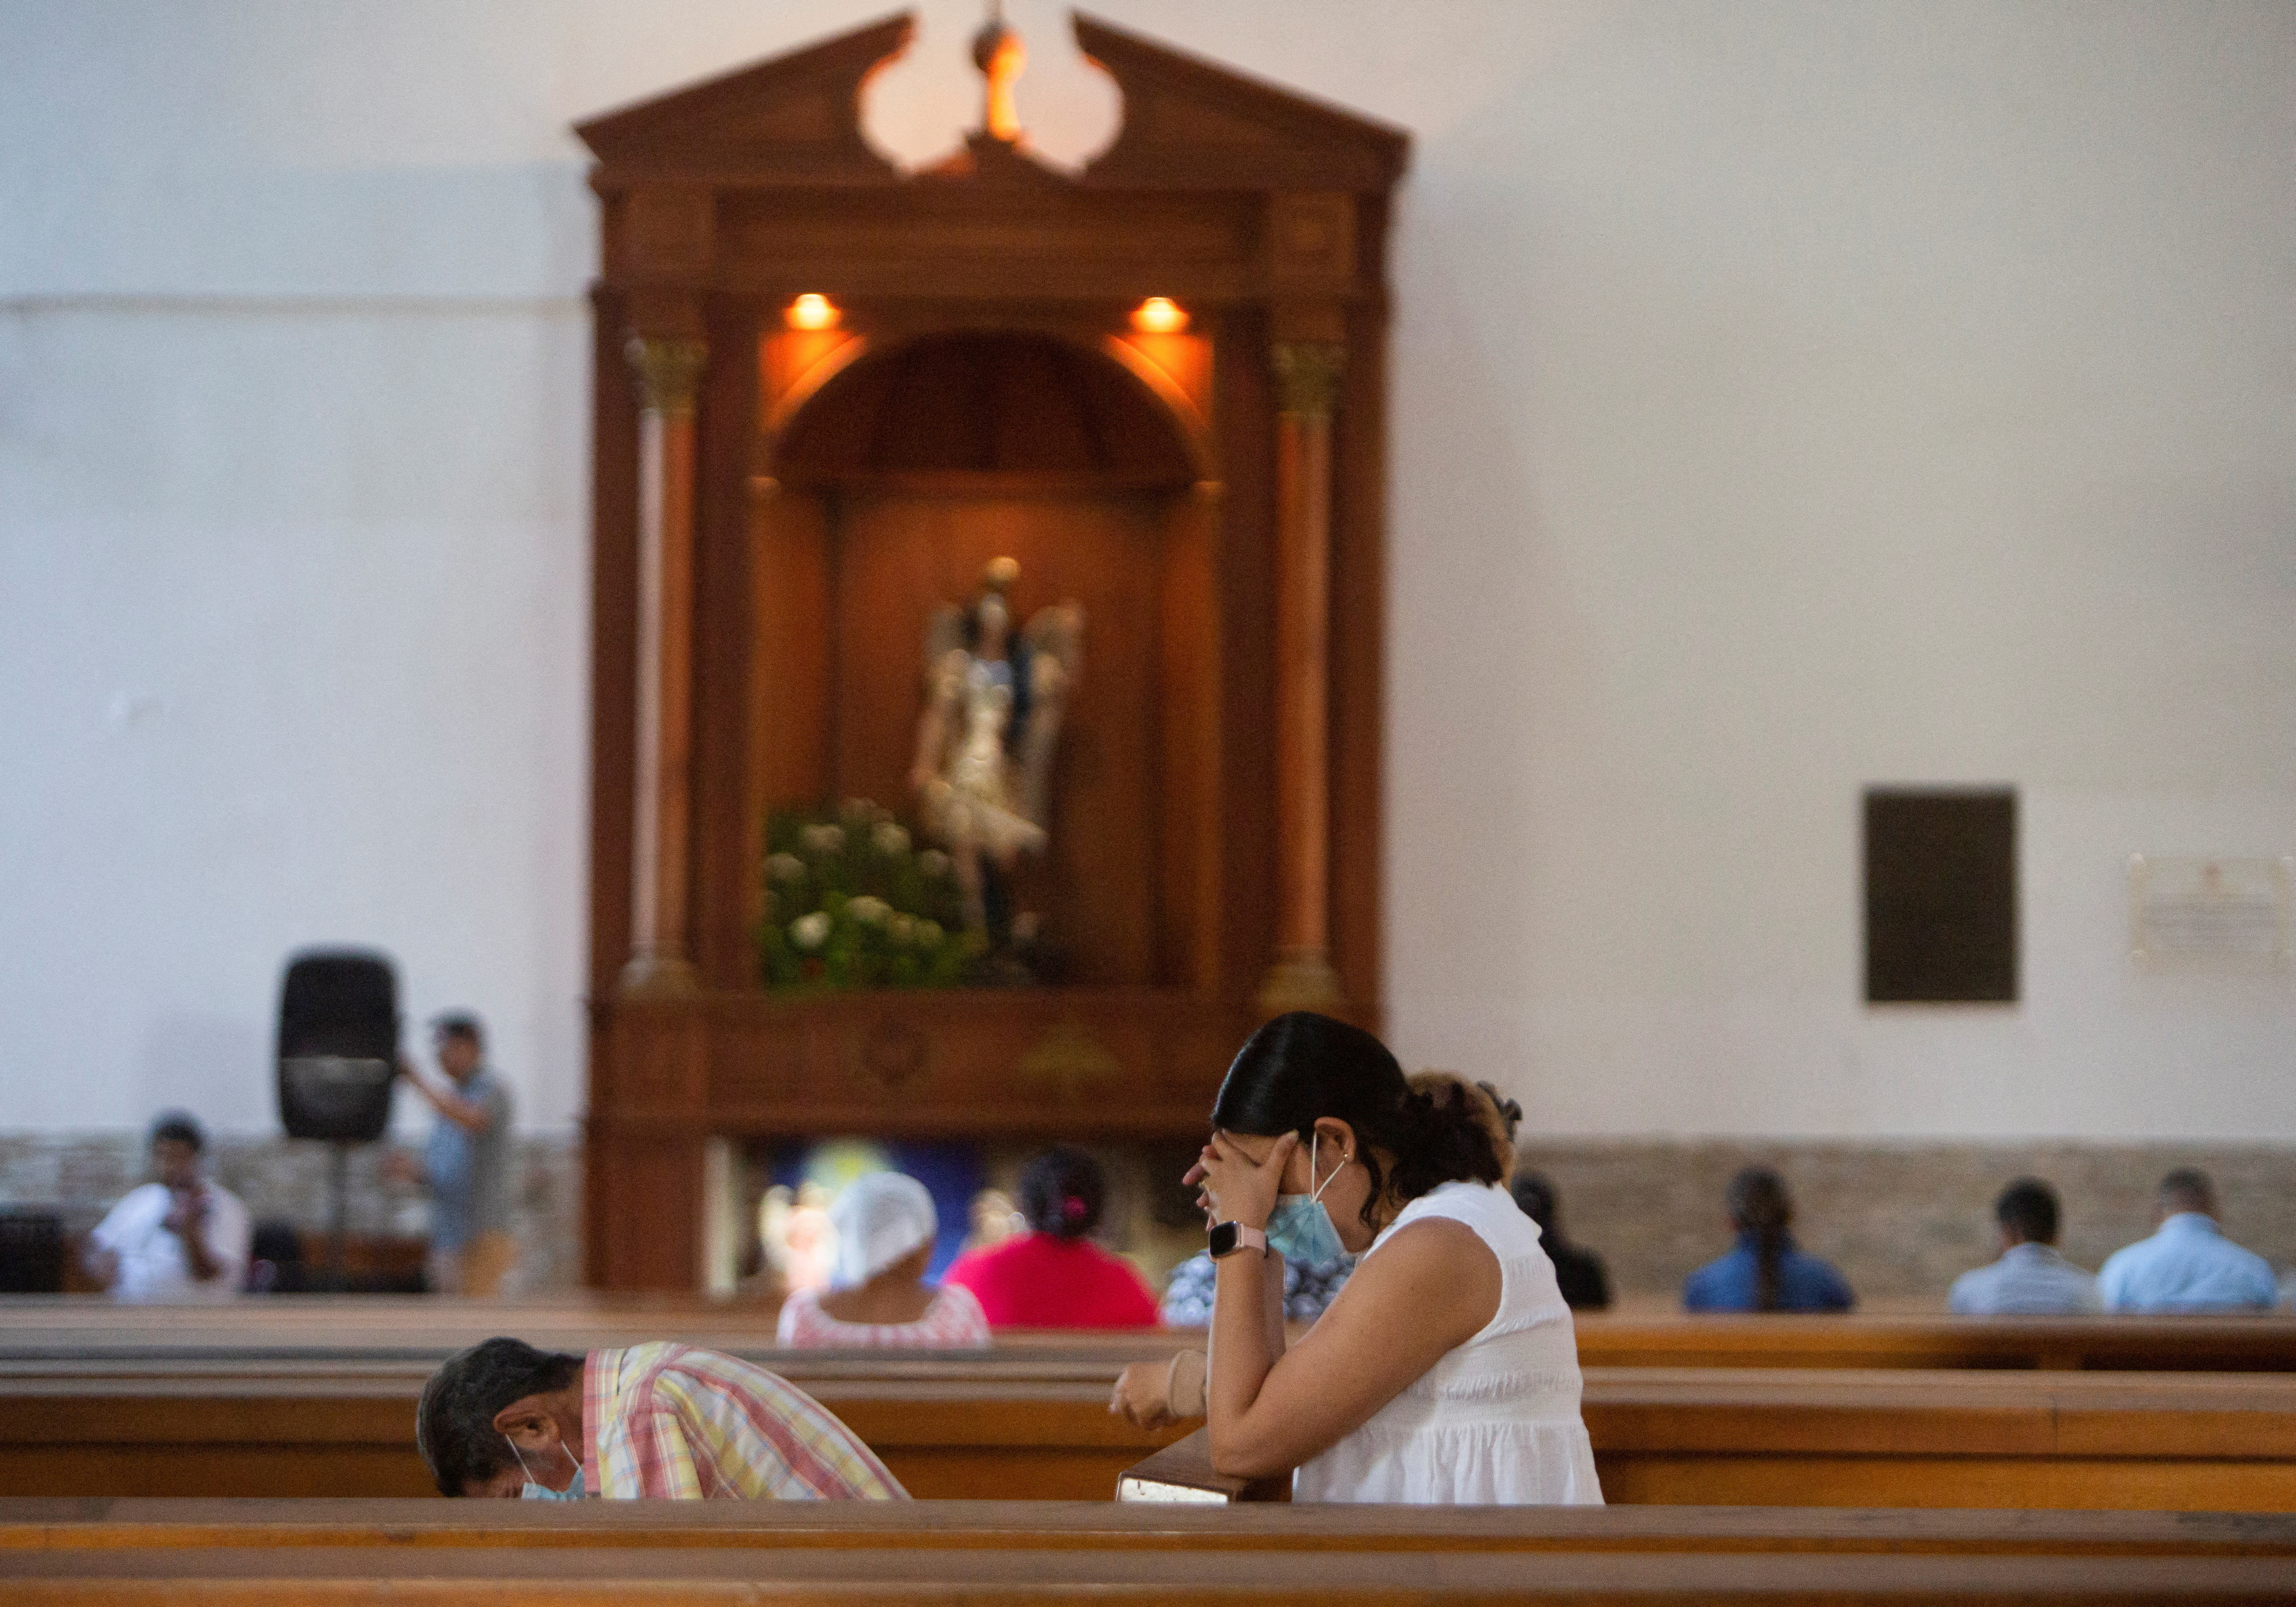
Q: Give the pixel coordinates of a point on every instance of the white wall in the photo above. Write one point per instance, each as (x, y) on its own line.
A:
(1787, 397)
(1792, 399)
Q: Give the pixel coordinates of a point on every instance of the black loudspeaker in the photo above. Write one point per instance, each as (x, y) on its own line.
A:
(338, 1045)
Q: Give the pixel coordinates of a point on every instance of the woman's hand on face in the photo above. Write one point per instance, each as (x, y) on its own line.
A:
(1232, 1187)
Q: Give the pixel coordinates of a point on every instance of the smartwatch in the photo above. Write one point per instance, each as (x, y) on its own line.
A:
(1228, 1237)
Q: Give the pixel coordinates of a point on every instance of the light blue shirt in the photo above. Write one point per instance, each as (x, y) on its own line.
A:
(2029, 1280)
(2188, 1266)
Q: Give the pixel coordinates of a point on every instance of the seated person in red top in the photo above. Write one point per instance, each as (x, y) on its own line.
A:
(1052, 1276)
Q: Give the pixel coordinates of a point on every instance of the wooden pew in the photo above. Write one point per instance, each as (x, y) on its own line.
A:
(1037, 1426)
(115, 1554)
(2120, 1344)
(80, 1526)
(1031, 1429)
(80, 1329)
(315, 1397)
(616, 1575)
(2175, 1442)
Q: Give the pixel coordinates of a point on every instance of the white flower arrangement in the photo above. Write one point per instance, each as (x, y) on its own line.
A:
(851, 901)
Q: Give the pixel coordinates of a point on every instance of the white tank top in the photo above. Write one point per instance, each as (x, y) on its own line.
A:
(1497, 1420)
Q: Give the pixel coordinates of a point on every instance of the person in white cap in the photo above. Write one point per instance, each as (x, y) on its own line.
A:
(885, 1227)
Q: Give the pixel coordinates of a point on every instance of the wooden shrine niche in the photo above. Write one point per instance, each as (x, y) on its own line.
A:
(827, 394)
(891, 492)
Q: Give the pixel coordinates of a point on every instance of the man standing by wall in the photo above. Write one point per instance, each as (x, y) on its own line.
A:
(180, 1238)
(466, 1164)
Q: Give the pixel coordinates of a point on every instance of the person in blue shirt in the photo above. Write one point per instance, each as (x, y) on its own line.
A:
(2188, 1265)
(2030, 1279)
(466, 1164)
(1766, 1271)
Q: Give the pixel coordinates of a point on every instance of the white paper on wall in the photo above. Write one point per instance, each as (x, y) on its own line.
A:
(2230, 912)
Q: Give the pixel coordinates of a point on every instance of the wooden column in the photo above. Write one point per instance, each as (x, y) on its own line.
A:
(668, 370)
(1306, 390)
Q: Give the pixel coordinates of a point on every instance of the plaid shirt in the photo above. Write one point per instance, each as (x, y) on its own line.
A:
(671, 1420)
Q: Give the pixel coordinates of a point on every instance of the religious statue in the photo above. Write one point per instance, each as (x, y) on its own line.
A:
(992, 717)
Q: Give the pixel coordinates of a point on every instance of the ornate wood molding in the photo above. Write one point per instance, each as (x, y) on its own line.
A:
(1190, 124)
(1307, 376)
(668, 372)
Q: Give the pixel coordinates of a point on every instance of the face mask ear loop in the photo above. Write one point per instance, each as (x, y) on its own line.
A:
(529, 1471)
(1314, 1137)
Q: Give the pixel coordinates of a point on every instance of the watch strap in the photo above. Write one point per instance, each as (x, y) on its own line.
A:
(1228, 1237)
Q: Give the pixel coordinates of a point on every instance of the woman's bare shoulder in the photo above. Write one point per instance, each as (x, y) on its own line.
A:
(1434, 1256)
(1443, 1239)
(1434, 1279)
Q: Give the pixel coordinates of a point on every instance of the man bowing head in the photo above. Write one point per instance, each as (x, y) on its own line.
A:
(503, 1418)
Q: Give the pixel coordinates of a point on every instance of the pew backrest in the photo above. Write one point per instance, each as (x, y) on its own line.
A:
(418, 1330)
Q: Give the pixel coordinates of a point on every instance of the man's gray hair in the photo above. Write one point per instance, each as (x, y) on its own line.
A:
(454, 1420)
(2188, 1189)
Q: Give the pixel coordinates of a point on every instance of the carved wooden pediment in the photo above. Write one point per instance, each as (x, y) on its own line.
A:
(1192, 125)
(1188, 125)
(792, 119)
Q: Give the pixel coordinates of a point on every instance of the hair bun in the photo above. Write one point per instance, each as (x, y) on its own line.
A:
(1467, 1129)
(1509, 1111)
(1062, 1191)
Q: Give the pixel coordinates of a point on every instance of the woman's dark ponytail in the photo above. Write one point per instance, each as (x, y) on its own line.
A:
(1759, 1206)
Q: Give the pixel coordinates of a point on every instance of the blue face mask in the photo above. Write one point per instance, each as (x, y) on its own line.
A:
(1299, 1228)
(531, 1491)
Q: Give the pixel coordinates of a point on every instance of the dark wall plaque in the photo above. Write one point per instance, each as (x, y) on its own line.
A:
(1940, 895)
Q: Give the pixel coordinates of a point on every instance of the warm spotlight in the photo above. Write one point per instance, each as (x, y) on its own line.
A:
(1159, 315)
(812, 311)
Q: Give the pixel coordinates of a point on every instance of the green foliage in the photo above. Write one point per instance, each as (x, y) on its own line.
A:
(852, 902)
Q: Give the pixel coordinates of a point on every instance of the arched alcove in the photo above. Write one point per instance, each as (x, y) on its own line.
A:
(891, 487)
(985, 402)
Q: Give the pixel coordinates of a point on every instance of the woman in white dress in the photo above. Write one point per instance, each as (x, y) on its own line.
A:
(1447, 1371)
